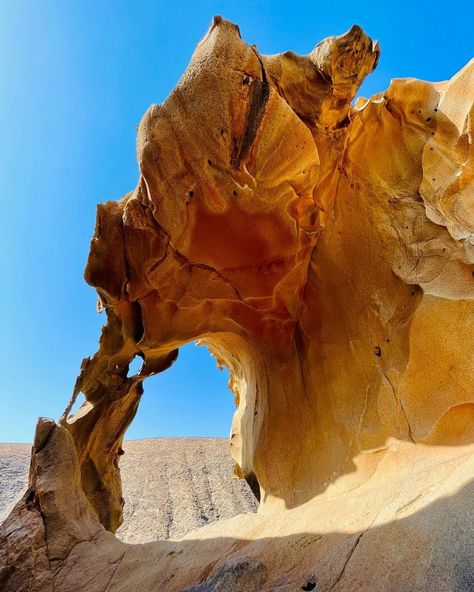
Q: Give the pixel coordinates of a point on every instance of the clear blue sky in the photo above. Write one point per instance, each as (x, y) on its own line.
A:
(75, 79)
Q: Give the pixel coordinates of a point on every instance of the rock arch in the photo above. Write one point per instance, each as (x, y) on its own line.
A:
(324, 252)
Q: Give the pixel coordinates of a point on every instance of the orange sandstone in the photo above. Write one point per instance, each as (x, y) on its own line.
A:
(324, 252)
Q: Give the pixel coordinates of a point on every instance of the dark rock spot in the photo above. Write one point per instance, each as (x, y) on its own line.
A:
(242, 576)
(343, 123)
(464, 575)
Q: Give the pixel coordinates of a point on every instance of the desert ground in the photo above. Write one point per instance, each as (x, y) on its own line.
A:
(170, 485)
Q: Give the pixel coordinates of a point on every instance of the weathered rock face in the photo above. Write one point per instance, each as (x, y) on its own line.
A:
(325, 254)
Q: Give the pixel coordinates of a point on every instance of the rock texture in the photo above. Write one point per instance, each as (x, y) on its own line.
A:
(324, 252)
(170, 486)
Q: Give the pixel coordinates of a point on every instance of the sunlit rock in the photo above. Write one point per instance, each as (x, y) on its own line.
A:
(324, 252)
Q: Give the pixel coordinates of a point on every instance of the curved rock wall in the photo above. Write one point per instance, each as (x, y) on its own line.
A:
(324, 252)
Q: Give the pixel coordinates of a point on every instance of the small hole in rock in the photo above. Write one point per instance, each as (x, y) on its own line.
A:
(135, 366)
(309, 585)
(378, 351)
(78, 403)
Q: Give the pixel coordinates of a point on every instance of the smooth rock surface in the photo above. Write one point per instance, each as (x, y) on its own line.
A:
(324, 252)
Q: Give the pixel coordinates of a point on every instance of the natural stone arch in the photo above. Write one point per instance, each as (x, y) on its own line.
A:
(324, 253)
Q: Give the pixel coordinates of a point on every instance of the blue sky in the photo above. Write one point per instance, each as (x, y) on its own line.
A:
(75, 79)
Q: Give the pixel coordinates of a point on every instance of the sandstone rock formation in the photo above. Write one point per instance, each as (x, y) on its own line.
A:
(324, 252)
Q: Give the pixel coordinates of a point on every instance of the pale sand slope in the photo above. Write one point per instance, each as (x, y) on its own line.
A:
(170, 485)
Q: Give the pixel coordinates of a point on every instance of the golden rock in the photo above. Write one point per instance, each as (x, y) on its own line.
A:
(324, 252)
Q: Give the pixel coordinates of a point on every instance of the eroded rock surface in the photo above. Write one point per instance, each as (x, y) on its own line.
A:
(324, 252)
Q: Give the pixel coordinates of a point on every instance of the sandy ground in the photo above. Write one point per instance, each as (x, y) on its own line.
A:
(14, 465)
(171, 485)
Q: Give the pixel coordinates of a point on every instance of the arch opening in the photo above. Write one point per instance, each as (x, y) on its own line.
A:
(177, 471)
